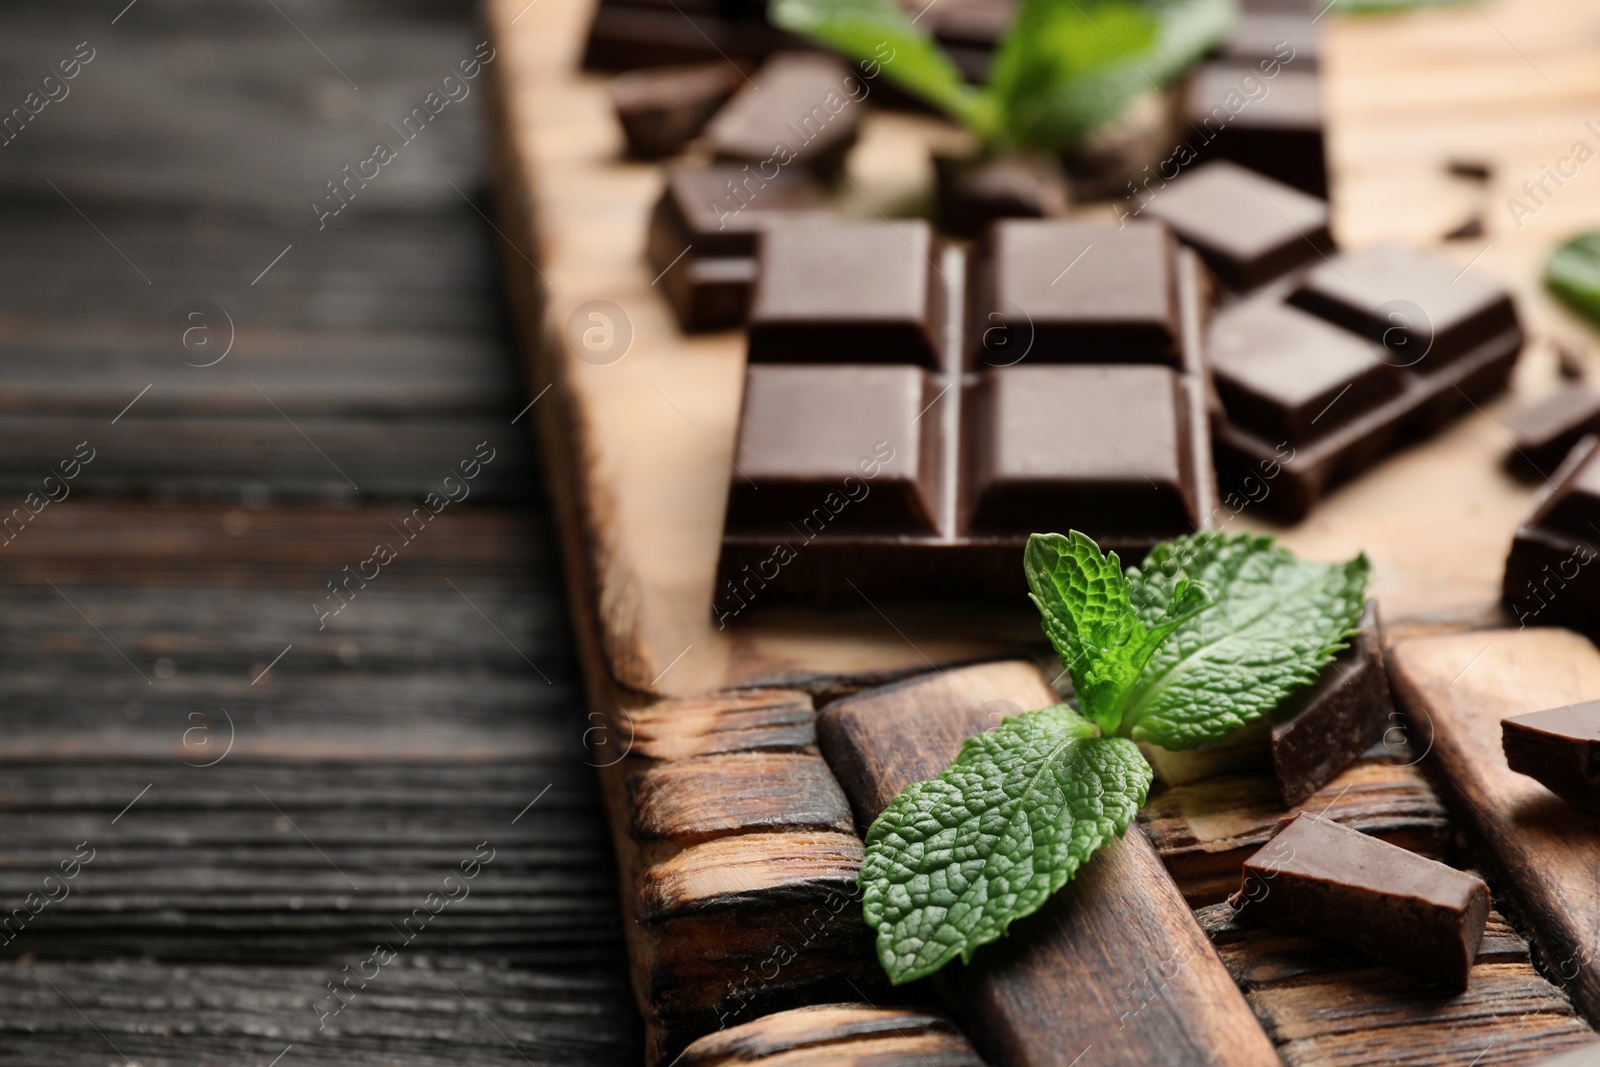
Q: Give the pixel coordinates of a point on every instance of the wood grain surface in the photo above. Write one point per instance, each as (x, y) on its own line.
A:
(837, 1035)
(1458, 688)
(1121, 919)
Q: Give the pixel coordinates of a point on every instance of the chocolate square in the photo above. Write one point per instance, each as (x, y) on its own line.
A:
(799, 108)
(1248, 227)
(848, 292)
(1102, 449)
(1078, 292)
(831, 448)
(1288, 376)
(1560, 747)
(1426, 310)
(1543, 433)
(1573, 506)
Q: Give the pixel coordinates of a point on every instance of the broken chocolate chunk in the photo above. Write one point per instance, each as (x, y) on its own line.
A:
(1559, 747)
(1543, 434)
(662, 108)
(799, 108)
(1324, 879)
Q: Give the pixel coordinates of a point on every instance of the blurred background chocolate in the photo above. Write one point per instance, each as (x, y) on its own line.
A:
(800, 109)
(662, 108)
(1543, 433)
(1551, 578)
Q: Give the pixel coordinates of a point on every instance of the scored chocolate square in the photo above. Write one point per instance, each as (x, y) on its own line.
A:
(1103, 449)
(848, 292)
(1247, 227)
(1427, 311)
(1077, 292)
(825, 448)
(1288, 376)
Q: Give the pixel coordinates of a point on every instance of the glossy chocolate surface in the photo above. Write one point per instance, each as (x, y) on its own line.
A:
(1324, 879)
(1079, 292)
(1560, 747)
(1247, 227)
(848, 292)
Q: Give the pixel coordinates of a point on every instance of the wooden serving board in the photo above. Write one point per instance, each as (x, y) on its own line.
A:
(735, 842)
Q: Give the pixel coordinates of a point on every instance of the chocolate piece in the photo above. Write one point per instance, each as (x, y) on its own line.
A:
(1304, 408)
(1321, 878)
(1288, 376)
(901, 473)
(1078, 292)
(1067, 447)
(1425, 310)
(627, 34)
(839, 448)
(702, 242)
(975, 192)
(1550, 580)
(1472, 227)
(1272, 125)
(802, 108)
(1320, 731)
(1559, 747)
(1543, 434)
(1247, 227)
(1477, 169)
(662, 108)
(848, 292)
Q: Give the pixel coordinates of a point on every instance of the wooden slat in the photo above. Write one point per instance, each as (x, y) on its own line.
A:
(1458, 688)
(1120, 920)
(1323, 1004)
(69, 1014)
(837, 1035)
(738, 859)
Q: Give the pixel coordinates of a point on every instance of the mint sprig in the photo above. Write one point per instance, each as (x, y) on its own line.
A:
(1209, 634)
(1064, 68)
(1573, 273)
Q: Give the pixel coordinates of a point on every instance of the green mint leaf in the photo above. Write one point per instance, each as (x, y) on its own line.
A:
(1276, 623)
(880, 33)
(1051, 94)
(1089, 616)
(952, 862)
(1573, 273)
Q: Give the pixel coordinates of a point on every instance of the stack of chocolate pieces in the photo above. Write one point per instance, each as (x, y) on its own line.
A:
(1551, 575)
(1258, 100)
(1323, 361)
(903, 433)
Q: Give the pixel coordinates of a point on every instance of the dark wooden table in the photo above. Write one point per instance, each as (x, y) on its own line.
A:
(240, 797)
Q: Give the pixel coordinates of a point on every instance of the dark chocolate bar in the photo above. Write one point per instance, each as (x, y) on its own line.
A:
(1559, 747)
(1543, 434)
(872, 460)
(662, 108)
(1321, 878)
(702, 242)
(1373, 349)
(1076, 292)
(1320, 731)
(801, 108)
(1272, 124)
(1248, 227)
(1550, 577)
